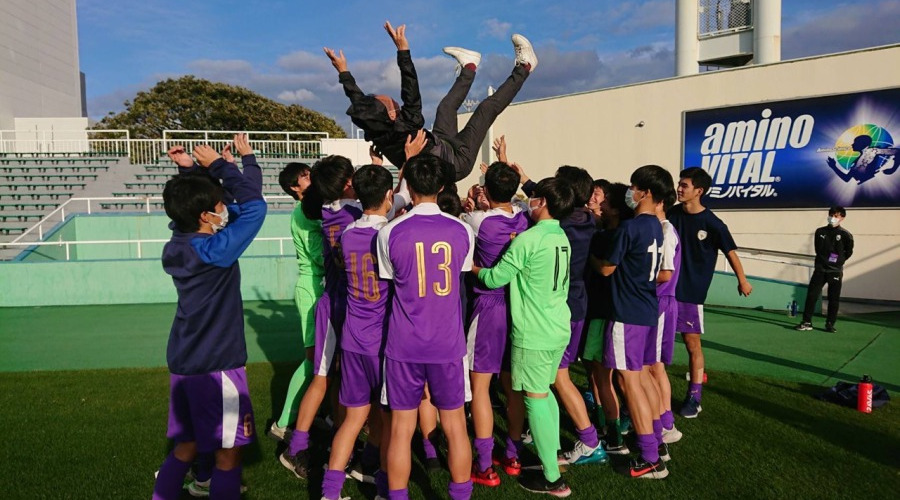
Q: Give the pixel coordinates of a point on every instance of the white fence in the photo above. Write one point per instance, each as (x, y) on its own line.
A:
(721, 16)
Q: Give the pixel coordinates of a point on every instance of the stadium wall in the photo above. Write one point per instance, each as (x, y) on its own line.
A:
(600, 131)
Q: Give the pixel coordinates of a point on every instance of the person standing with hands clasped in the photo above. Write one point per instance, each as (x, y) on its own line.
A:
(834, 245)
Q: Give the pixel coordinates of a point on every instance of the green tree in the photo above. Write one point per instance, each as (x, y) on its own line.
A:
(190, 103)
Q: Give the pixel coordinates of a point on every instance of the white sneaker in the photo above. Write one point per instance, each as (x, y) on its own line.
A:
(278, 433)
(524, 52)
(672, 435)
(463, 56)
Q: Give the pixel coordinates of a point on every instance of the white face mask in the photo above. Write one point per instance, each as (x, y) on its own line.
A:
(530, 208)
(833, 221)
(629, 199)
(223, 216)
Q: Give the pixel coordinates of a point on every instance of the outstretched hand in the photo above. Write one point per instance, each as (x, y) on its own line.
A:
(226, 153)
(337, 60)
(242, 144)
(205, 155)
(398, 35)
(179, 156)
(499, 148)
(523, 178)
(414, 145)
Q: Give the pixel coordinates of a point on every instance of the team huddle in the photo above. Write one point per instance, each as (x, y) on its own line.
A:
(412, 301)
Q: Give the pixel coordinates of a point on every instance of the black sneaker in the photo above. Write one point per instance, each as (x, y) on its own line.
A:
(298, 464)
(363, 474)
(804, 327)
(830, 328)
(642, 469)
(535, 482)
(664, 452)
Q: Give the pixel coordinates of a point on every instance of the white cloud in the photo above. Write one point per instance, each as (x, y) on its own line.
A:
(299, 95)
(494, 28)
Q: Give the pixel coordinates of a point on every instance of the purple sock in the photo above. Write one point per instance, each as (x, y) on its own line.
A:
(399, 494)
(649, 448)
(513, 448)
(588, 436)
(203, 466)
(696, 390)
(657, 431)
(170, 480)
(370, 455)
(299, 442)
(381, 484)
(332, 484)
(226, 484)
(668, 420)
(483, 448)
(430, 452)
(460, 491)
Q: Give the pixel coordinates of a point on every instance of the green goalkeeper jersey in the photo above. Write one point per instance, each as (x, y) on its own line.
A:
(307, 235)
(536, 266)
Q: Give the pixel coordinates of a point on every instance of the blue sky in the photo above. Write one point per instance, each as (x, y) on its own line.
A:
(274, 47)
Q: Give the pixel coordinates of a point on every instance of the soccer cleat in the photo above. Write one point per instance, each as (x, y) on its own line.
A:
(803, 327)
(525, 55)
(642, 469)
(672, 435)
(279, 433)
(830, 328)
(485, 478)
(582, 454)
(298, 464)
(463, 56)
(200, 489)
(535, 482)
(527, 437)
(339, 498)
(663, 450)
(625, 425)
(511, 466)
(690, 408)
(617, 448)
(363, 474)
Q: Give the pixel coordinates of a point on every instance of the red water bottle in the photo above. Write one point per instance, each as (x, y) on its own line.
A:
(864, 395)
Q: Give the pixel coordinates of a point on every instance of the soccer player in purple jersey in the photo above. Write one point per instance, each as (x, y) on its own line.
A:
(423, 252)
(489, 326)
(209, 407)
(364, 328)
(666, 280)
(633, 263)
(702, 236)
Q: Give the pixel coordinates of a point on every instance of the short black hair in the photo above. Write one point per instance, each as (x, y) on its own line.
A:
(602, 184)
(288, 176)
(187, 196)
(558, 195)
(371, 183)
(837, 210)
(426, 174)
(327, 180)
(448, 201)
(655, 179)
(501, 182)
(579, 180)
(699, 178)
(615, 198)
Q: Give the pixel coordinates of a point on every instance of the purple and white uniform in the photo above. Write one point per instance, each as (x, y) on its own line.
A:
(332, 305)
(423, 252)
(665, 292)
(362, 338)
(635, 252)
(488, 331)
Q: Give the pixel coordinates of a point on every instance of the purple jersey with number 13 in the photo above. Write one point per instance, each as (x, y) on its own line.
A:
(424, 252)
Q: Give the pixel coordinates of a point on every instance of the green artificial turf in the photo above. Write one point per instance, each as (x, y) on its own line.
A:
(101, 434)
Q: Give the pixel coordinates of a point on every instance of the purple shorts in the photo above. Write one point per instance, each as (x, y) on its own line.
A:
(690, 318)
(625, 346)
(212, 409)
(571, 353)
(665, 334)
(330, 312)
(488, 333)
(360, 379)
(404, 384)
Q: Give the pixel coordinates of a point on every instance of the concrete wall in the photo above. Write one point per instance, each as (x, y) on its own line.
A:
(597, 130)
(39, 71)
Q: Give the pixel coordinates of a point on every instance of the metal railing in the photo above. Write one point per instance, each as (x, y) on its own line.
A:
(137, 243)
(722, 16)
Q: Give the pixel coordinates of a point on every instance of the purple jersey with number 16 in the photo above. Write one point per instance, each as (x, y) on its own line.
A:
(367, 295)
(424, 252)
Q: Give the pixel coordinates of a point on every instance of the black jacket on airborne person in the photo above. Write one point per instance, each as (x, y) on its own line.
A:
(367, 113)
(834, 245)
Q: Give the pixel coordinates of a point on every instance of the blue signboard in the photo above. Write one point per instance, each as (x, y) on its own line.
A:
(801, 153)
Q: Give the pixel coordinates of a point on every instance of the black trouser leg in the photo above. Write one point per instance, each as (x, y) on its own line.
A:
(813, 291)
(835, 280)
(445, 121)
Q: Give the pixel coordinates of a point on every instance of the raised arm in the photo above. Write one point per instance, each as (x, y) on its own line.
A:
(339, 61)
(411, 110)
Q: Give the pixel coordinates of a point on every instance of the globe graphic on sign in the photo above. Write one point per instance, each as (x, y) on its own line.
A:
(848, 145)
